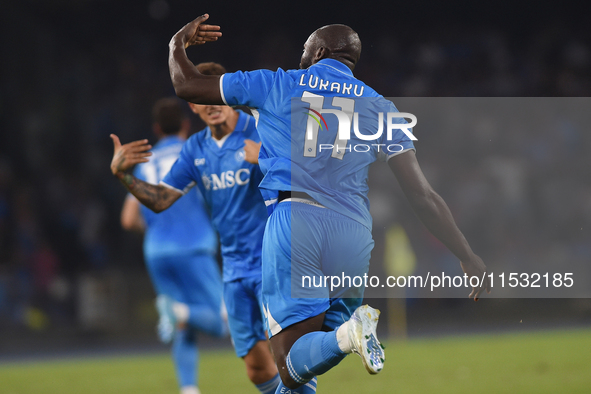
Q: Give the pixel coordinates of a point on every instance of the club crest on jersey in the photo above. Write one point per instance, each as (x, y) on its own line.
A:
(240, 155)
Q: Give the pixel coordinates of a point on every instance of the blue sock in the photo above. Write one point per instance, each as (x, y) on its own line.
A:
(308, 388)
(269, 386)
(207, 320)
(186, 357)
(313, 354)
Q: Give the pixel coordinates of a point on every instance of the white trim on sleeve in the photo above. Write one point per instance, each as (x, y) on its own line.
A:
(183, 192)
(397, 153)
(222, 89)
(255, 115)
(271, 201)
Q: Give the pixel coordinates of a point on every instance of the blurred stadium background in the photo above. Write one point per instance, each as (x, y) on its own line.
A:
(72, 72)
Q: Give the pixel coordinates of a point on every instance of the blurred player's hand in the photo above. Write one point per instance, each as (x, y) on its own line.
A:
(251, 151)
(195, 33)
(128, 155)
(476, 267)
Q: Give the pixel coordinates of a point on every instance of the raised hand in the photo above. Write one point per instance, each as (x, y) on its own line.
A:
(128, 155)
(196, 33)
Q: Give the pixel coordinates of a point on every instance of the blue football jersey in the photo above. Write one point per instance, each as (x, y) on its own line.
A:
(229, 185)
(300, 117)
(183, 228)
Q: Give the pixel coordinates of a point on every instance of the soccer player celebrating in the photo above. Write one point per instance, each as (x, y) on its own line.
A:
(179, 247)
(215, 160)
(321, 225)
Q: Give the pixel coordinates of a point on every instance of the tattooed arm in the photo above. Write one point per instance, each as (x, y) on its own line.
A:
(156, 197)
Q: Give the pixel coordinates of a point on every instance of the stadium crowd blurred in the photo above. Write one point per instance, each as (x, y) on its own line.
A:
(525, 199)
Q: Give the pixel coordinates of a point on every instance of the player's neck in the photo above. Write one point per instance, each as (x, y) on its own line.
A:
(221, 130)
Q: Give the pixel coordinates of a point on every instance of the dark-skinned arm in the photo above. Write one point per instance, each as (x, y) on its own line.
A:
(189, 84)
(155, 197)
(436, 216)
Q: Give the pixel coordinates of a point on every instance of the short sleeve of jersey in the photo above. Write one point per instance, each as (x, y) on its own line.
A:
(247, 88)
(183, 174)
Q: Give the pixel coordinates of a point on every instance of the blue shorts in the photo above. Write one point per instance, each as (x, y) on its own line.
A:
(307, 241)
(190, 278)
(243, 302)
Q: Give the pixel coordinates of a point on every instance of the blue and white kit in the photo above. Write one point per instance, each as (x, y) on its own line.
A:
(180, 246)
(179, 242)
(229, 185)
(332, 235)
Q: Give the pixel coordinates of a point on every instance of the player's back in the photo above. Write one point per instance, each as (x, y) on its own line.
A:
(183, 228)
(331, 169)
(301, 112)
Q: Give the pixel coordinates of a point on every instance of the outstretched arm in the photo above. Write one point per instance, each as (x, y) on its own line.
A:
(156, 197)
(436, 216)
(189, 84)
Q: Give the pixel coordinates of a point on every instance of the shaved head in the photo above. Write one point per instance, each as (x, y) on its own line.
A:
(338, 42)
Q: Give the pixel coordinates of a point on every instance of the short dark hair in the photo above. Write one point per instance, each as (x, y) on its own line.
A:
(211, 68)
(168, 114)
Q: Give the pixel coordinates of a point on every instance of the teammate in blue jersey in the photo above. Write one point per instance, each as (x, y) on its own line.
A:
(221, 161)
(321, 225)
(179, 248)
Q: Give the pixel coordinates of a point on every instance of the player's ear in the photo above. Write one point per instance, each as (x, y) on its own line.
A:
(321, 53)
(194, 108)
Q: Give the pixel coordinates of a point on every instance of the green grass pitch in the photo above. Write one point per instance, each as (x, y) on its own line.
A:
(540, 362)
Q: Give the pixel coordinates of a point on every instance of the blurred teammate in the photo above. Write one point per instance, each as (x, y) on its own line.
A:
(215, 160)
(179, 247)
(321, 225)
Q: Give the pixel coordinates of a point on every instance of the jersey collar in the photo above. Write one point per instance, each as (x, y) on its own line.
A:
(242, 123)
(241, 126)
(335, 64)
